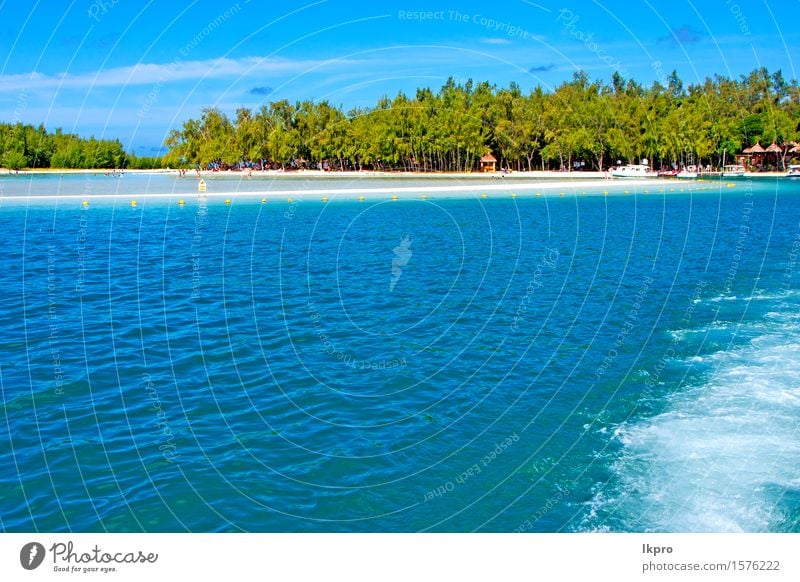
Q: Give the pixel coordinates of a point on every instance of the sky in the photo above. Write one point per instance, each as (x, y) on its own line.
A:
(133, 70)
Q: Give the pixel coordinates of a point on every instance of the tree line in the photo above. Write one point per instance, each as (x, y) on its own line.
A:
(449, 130)
(580, 123)
(26, 146)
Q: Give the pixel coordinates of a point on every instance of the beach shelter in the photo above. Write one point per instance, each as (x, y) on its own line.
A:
(488, 163)
(755, 149)
(775, 149)
(792, 148)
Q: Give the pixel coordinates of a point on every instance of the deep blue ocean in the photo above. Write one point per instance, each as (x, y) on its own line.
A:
(556, 363)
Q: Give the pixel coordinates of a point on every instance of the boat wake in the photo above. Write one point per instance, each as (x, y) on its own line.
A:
(722, 456)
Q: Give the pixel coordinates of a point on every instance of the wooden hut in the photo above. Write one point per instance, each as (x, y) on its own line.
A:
(755, 149)
(755, 155)
(774, 156)
(488, 163)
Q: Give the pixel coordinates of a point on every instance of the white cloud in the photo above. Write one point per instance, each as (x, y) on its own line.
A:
(495, 41)
(149, 74)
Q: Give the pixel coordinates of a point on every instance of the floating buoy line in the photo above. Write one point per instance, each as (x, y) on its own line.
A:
(395, 196)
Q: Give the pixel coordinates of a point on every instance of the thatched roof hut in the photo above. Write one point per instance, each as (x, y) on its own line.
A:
(754, 149)
(488, 163)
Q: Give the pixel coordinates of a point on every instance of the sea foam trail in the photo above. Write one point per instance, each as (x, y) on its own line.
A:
(723, 456)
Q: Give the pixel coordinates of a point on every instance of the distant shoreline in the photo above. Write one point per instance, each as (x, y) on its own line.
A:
(297, 186)
(496, 189)
(311, 174)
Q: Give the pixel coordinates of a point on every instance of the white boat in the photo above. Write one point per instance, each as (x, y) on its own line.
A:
(734, 171)
(642, 170)
(794, 171)
(688, 173)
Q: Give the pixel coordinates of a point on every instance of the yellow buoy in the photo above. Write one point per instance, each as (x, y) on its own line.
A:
(85, 203)
(560, 193)
(538, 194)
(394, 197)
(424, 197)
(133, 203)
(263, 201)
(324, 199)
(227, 201)
(361, 199)
(288, 200)
(484, 196)
(513, 195)
(181, 202)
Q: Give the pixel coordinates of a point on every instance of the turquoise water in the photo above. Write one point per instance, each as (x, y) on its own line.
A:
(137, 184)
(558, 363)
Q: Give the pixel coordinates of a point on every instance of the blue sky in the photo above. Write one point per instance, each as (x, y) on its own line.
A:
(133, 70)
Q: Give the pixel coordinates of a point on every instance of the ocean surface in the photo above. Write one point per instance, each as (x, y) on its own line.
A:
(575, 361)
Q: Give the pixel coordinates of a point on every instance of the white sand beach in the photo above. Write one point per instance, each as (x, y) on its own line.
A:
(312, 174)
(375, 188)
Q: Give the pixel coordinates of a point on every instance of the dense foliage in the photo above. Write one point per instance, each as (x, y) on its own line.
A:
(26, 146)
(449, 130)
(580, 121)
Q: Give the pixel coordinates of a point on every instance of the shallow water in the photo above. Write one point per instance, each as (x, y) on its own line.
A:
(137, 184)
(585, 362)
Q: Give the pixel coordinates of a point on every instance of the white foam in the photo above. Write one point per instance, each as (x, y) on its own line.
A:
(719, 298)
(721, 456)
(716, 326)
(759, 295)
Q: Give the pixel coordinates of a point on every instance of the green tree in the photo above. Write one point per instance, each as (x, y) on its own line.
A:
(14, 159)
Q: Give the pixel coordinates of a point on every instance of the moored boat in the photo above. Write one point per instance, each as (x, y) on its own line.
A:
(733, 171)
(642, 170)
(794, 171)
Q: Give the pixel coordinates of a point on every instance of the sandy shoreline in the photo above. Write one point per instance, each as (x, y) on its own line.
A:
(376, 186)
(306, 174)
(496, 189)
